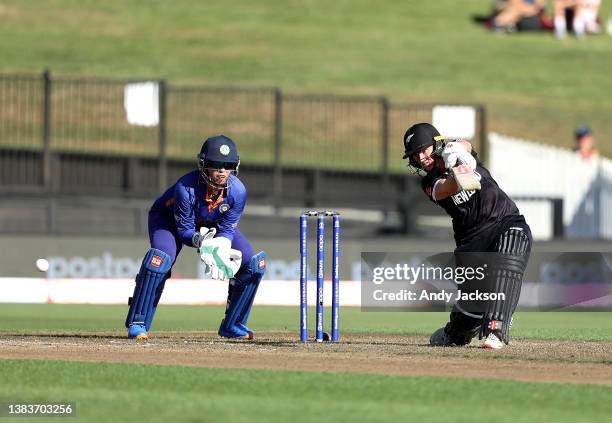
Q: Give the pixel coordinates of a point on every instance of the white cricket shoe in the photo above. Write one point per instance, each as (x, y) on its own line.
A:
(493, 342)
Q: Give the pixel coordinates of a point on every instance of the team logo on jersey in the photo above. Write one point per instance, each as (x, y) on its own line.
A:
(261, 263)
(156, 261)
(463, 197)
(224, 207)
(224, 149)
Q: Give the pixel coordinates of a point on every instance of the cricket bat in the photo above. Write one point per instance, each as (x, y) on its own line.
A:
(466, 178)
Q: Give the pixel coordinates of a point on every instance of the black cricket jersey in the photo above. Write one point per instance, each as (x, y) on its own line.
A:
(479, 216)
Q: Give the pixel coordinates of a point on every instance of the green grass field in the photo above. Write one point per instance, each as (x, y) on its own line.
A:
(118, 392)
(533, 85)
(585, 326)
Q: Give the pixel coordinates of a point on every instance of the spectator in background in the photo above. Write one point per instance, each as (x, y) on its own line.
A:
(579, 16)
(521, 14)
(585, 143)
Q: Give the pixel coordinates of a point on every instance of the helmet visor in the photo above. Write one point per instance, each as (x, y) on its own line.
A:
(213, 164)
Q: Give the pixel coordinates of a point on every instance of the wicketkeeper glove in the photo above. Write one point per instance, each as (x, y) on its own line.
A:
(204, 234)
(221, 260)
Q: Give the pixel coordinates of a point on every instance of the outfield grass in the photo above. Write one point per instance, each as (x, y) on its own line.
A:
(114, 392)
(595, 326)
(533, 85)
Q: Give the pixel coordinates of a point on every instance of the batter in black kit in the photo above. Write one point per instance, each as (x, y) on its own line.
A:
(489, 231)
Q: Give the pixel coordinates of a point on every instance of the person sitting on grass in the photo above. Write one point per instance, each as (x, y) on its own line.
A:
(579, 16)
(514, 13)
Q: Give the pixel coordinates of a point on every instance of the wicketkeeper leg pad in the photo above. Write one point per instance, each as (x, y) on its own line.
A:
(242, 292)
(154, 271)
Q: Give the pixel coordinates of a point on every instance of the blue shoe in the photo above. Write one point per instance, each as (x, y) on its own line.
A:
(244, 328)
(138, 332)
(233, 332)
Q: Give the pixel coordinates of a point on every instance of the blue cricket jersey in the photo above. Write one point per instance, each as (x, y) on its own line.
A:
(186, 203)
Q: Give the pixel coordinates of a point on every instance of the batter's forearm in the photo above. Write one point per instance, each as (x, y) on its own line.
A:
(444, 188)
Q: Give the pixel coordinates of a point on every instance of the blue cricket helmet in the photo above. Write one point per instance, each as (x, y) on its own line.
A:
(219, 148)
(218, 152)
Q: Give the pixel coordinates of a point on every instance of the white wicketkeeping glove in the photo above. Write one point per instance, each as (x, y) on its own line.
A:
(204, 234)
(455, 154)
(221, 260)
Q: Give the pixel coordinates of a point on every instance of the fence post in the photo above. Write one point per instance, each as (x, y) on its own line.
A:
(46, 130)
(384, 102)
(278, 166)
(163, 158)
(558, 225)
(385, 138)
(484, 148)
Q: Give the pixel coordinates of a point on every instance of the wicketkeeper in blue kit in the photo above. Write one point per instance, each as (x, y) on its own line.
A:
(201, 210)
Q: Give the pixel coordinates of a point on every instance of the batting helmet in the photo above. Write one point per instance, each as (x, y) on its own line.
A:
(418, 137)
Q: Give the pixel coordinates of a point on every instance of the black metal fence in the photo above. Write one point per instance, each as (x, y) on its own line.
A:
(40, 113)
(66, 136)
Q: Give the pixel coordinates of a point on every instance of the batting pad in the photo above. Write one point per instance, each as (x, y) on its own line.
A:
(507, 273)
(154, 271)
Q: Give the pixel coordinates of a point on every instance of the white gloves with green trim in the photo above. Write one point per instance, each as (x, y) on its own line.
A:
(222, 262)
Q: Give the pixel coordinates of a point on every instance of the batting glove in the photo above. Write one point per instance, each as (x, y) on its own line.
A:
(455, 154)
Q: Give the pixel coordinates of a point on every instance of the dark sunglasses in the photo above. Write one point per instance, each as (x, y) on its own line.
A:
(211, 164)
